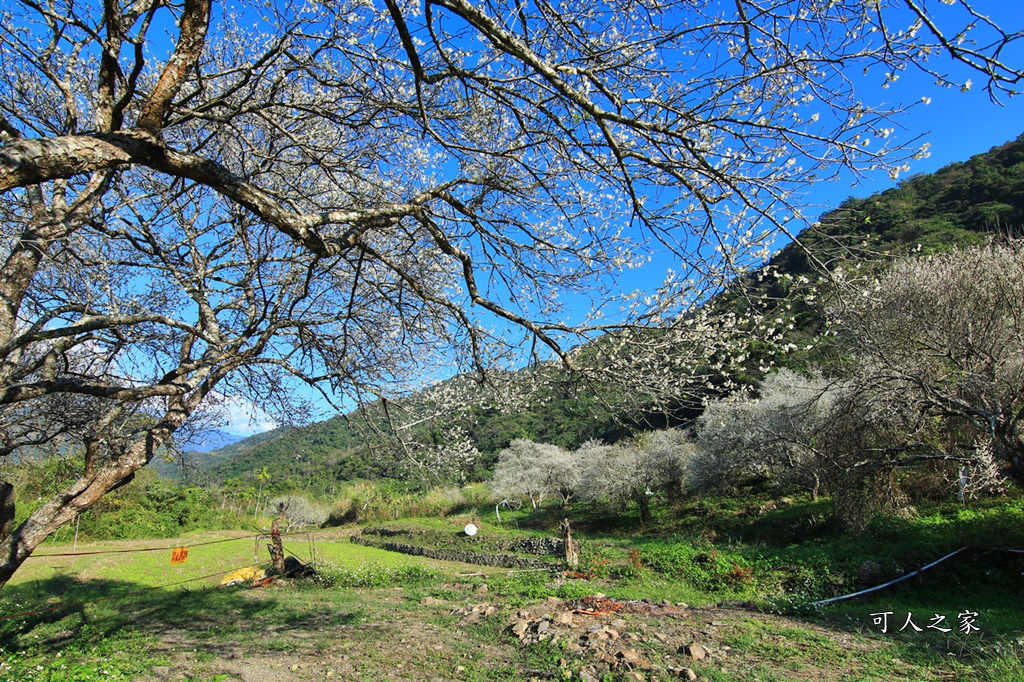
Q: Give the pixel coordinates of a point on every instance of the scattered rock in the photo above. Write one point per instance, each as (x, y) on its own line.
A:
(431, 601)
(694, 651)
(563, 618)
(687, 674)
(630, 659)
(475, 611)
(589, 674)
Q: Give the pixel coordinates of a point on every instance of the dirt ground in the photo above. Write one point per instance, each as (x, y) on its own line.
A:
(475, 638)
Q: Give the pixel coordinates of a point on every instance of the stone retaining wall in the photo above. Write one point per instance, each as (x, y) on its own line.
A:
(541, 546)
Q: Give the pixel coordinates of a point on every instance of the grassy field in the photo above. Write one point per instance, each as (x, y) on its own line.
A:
(377, 615)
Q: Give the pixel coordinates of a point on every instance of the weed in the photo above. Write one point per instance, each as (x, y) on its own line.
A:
(522, 588)
(576, 589)
(634, 566)
(372, 575)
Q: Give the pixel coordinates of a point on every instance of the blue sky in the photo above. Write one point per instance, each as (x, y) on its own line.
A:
(957, 124)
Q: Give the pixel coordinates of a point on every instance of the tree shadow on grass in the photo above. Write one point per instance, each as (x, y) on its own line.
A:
(58, 612)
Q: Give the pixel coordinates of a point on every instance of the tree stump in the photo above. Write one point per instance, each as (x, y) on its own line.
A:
(276, 547)
(571, 547)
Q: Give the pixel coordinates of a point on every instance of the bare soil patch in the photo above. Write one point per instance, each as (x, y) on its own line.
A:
(395, 638)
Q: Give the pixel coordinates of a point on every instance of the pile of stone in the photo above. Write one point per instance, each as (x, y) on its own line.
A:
(609, 645)
(474, 612)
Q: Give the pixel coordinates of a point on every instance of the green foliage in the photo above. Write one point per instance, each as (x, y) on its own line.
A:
(38, 480)
(387, 500)
(1001, 662)
(93, 657)
(595, 560)
(516, 589)
(374, 575)
(577, 589)
(147, 507)
(708, 568)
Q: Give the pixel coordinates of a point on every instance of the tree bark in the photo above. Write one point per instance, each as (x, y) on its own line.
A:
(276, 547)
(6, 508)
(644, 503)
(570, 546)
(17, 546)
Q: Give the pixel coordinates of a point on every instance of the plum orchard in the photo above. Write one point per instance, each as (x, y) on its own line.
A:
(296, 193)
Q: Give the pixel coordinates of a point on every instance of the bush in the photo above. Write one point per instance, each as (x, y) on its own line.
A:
(377, 502)
(300, 511)
(711, 569)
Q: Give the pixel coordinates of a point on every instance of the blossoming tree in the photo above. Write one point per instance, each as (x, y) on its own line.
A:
(205, 200)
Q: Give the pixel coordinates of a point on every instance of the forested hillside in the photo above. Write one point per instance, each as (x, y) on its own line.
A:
(961, 204)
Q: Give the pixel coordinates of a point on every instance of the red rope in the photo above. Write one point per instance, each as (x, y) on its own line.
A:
(142, 549)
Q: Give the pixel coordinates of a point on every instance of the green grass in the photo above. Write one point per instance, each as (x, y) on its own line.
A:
(371, 595)
(99, 630)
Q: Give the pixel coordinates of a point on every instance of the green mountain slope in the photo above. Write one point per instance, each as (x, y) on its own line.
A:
(960, 204)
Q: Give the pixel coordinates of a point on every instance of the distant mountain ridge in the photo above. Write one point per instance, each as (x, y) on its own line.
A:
(211, 440)
(208, 448)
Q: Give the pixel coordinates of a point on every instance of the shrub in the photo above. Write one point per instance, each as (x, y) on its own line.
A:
(301, 512)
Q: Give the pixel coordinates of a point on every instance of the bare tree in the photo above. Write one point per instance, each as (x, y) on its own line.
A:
(777, 436)
(634, 472)
(535, 470)
(944, 336)
(329, 193)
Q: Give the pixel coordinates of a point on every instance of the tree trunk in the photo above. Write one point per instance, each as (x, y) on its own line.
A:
(570, 546)
(276, 547)
(644, 503)
(97, 481)
(17, 546)
(864, 495)
(6, 509)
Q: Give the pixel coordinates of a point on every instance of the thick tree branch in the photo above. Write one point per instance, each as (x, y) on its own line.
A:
(194, 22)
